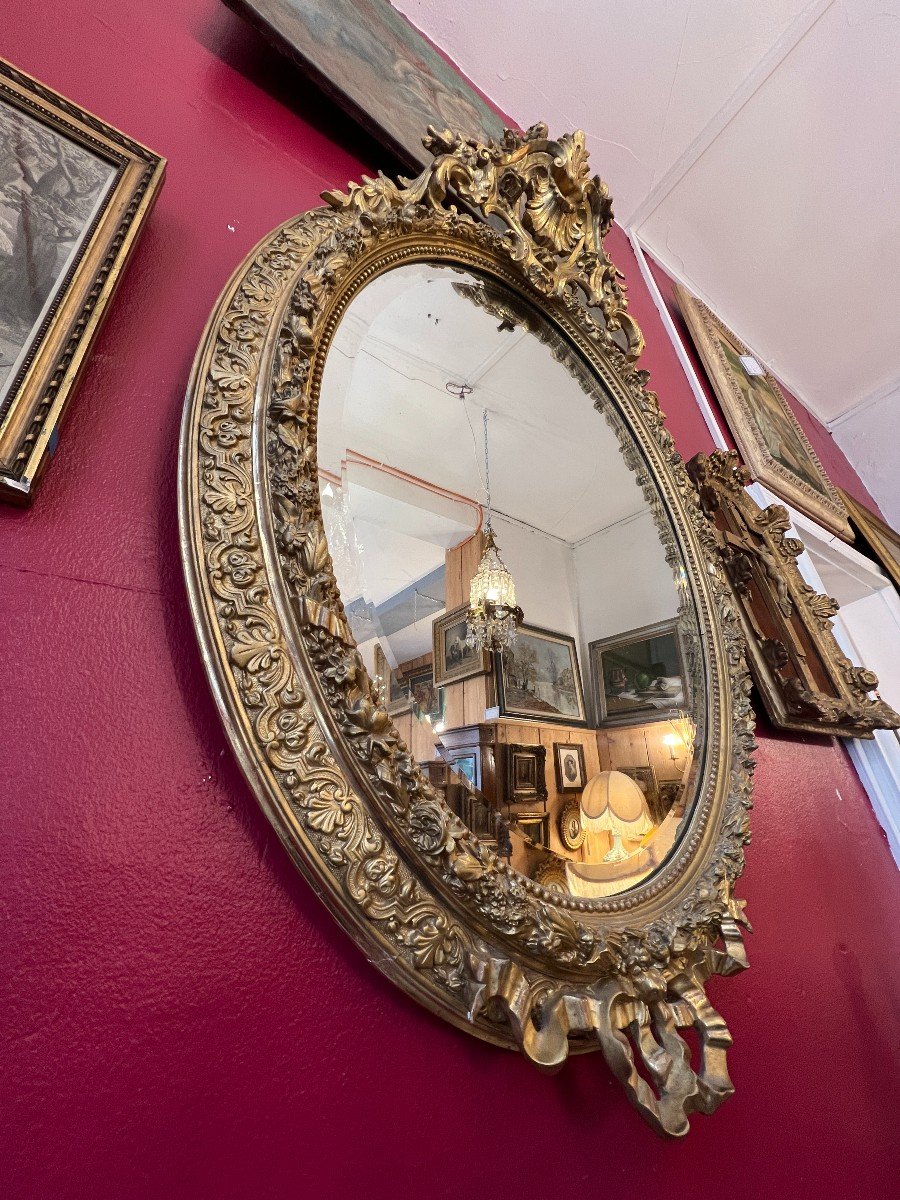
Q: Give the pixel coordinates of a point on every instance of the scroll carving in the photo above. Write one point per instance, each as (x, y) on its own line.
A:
(435, 909)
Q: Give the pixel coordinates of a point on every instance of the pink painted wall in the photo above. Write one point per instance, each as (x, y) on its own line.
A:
(181, 1017)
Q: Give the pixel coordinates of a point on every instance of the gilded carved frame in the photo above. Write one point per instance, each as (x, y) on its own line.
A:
(30, 418)
(518, 964)
(805, 680)
(822, 503)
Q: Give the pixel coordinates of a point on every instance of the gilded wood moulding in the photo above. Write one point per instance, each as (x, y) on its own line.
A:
(517, 963)
(805, 680)
(769, 436)
(75, 195)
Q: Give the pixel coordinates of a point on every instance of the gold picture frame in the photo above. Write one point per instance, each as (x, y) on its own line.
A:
(768, 435)
(884, 540)
(76, 196)
(806, 682)
(470, 661)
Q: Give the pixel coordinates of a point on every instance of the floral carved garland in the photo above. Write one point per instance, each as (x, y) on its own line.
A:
(452, 924)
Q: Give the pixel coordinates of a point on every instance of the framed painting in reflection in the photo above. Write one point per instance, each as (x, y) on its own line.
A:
(538, 678)
(396, 690)
(535, 827)
(568, 761)
(454, 659)
(638, 676)
(427, 699)
(74, 193)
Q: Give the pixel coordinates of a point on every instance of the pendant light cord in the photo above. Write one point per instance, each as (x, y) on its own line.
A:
(487, 468)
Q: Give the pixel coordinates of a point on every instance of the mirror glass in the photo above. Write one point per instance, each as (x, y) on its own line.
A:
(576, 751)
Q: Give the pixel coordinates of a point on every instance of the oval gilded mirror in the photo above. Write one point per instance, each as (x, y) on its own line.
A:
(464, 618)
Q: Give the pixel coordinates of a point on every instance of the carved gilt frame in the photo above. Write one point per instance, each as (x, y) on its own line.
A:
(30, 417)
(805, 680)
(518, 964)
(884, 540)
(823, 504)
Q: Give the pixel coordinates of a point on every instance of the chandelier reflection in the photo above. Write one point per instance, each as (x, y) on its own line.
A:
(493, 619)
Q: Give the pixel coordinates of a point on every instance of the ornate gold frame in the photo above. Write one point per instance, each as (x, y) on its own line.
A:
(826, 507)
(518, 964)
(58, 353)
(880, 536)
(806, 681)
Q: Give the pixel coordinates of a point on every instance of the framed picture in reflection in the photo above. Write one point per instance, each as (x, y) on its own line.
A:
(427, 699)
(538, 678)
(74, 194)
(638, 676)
(397, 698)
(568, 760)
(535, 827)
(454, 658)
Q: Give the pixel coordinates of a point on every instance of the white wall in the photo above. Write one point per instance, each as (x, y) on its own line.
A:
(543, 570)
(623, 579)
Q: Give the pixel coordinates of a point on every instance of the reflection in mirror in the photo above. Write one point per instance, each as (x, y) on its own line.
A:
(576, 751)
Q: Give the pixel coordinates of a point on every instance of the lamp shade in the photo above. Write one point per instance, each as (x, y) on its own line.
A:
(613, 803)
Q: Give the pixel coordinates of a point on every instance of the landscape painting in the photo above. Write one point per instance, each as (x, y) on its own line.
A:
(538, 677)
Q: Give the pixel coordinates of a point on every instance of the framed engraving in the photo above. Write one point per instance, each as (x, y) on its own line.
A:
(769, 437)
(74, 193)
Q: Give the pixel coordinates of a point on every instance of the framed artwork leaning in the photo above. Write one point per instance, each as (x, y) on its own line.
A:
(454, 659)
(538, 678)
(638, 676)
(74, 194)
(768, 435)
(371, 61)
(568, 762)
(884, 540)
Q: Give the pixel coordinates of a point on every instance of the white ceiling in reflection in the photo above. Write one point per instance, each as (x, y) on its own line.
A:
(555, 464)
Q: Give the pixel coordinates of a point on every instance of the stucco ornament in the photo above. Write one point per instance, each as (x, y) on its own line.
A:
(517, 963)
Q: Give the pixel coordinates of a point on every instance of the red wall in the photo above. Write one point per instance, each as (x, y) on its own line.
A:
(182, 1017)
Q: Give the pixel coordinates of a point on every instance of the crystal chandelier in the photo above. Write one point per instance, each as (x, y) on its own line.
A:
(493, 618)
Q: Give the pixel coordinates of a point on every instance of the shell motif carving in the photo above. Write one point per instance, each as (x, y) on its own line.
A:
(511, 960)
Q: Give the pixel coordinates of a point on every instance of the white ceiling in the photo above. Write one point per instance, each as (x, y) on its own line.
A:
(402, 458)
(383, 395)
(755, 150)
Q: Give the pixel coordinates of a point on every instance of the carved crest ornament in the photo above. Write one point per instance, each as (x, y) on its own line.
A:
(518, 964)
